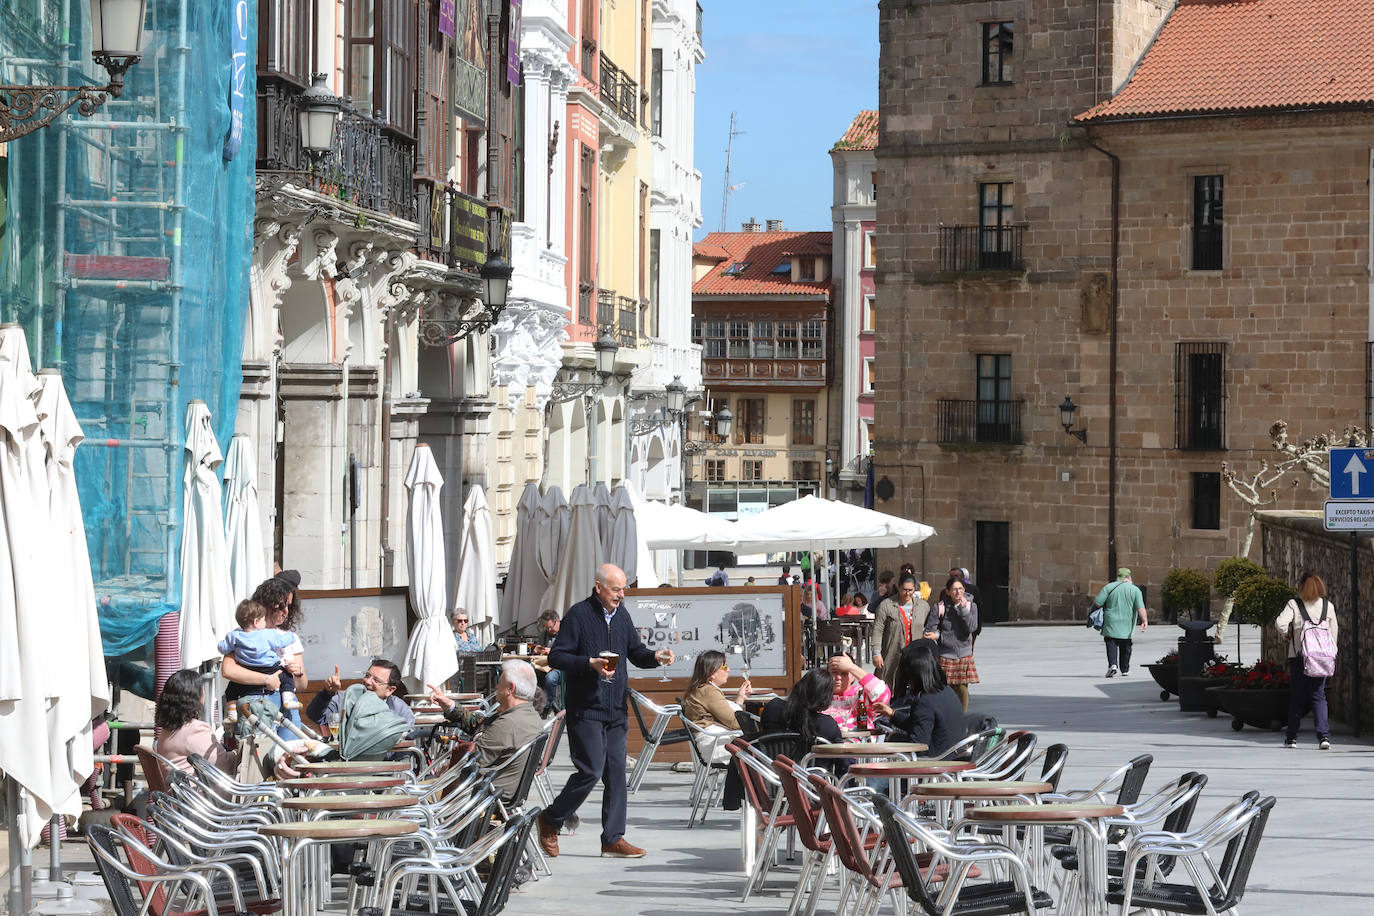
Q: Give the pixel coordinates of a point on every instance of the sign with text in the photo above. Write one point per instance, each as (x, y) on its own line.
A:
(238, 77)
(1349, 515)
(468, 230)
(1352, 473)
(448, 18)
(748, 626)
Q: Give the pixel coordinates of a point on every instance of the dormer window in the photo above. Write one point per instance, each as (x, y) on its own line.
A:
(737, 268)
(783, 269)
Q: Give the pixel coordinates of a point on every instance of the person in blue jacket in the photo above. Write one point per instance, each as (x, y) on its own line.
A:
(595, 689)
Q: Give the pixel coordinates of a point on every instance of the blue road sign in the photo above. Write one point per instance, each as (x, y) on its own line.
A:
(1352, 473)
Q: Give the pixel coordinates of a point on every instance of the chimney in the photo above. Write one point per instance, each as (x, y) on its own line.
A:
(752, 226)
(774, 225)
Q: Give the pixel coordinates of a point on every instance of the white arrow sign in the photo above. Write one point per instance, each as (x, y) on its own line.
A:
(1354, 467)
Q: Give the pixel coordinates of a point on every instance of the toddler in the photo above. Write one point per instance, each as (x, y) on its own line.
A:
(258, 647)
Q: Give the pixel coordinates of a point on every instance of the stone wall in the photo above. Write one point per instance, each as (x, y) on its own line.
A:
(1294, 542)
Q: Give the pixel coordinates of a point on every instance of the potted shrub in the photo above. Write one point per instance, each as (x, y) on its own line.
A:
(1165, 673)
(1186, 590)
(1229, 576)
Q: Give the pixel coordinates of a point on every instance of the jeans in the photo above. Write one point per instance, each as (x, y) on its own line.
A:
(1118, 649)
(553, 683)
(1306, 693)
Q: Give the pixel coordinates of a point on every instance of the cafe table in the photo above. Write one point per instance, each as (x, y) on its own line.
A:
(1088, 821)
(353, 767)
(299, 893)
(951, 795)
(314, 806)
(355, 783)
(896, 770)
(865, 750)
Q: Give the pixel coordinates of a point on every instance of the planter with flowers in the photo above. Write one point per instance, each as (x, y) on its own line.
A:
(1165, 673)
(1256, 696)
(1216, 672)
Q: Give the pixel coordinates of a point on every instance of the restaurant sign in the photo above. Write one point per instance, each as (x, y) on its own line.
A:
(468, 230)
(747, 627)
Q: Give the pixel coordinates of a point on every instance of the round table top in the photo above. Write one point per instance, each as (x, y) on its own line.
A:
(429, 719)
(918, 767)
(450, 695)
(342, 783)
(1001, 788)
(1036, 813)
(349, 829)
(856, 734)
(352, 767)
(870, 749)
(347, 802)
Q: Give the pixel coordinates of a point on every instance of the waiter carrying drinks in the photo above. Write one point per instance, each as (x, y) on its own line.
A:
(595, 635)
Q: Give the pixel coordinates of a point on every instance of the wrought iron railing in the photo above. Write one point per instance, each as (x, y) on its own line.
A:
(369, 165)
(1200, 395)
(627, 321)
(605, 308)
(584, 303)
(981, 247)
(996, 422)
(618, 90)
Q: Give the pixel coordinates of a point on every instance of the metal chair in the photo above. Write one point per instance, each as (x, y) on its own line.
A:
(541, 776)
(763, 794)
(707, 775)
(655, 735)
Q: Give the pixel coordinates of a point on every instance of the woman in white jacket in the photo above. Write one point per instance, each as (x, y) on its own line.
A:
(1306, 692)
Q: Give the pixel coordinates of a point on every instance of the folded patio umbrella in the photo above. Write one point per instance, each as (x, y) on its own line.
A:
(207, 594)
(430, 656)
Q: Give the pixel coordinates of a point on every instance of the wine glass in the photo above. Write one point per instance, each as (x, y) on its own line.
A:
(685, 657)
(501, 644)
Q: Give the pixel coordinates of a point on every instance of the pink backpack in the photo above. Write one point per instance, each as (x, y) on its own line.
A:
(1315, 645)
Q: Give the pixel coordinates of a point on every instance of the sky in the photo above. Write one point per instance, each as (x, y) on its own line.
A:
(795, 74)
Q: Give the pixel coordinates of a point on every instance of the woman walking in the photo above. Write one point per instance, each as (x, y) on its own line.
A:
(1311, 607)
(951, 623)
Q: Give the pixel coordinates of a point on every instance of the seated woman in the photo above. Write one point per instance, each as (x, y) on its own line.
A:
(182, 731)
(926, 709)
(854, 687)
(705, 706)
(804, 710)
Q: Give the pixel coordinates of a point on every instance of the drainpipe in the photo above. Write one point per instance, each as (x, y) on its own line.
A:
(1112, 369)
(384, 562)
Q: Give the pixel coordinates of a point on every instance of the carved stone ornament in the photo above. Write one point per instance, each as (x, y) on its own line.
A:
(527, 349)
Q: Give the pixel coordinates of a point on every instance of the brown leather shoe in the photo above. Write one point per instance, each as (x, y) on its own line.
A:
(548, 837)
(621, 850)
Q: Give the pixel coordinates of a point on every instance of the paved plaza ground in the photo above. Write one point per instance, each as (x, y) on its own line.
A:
(1047, 679)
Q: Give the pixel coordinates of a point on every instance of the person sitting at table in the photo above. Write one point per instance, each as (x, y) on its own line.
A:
(705, 706)
(803, 710)
(464, 640)
(498, 736)
(851, 684)
(860, 604)
(551, 679)
(182, 732)
(846, 606)
(926, 709)
(382, 678)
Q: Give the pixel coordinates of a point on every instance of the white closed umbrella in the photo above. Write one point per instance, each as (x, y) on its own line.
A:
(525, 581)
(430, 657)
(620, 542)
(602, 494)
(85, 691)
(29, 640)
(207, 595)
(476, 592)
(243, 518)
(581, 554)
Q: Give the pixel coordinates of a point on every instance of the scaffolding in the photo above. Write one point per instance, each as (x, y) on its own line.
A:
(101, 212)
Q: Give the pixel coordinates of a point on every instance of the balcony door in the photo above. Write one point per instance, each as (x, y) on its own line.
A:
(996, 246)
(993, 412)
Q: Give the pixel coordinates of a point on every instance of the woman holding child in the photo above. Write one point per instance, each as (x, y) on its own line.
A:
(277, 596)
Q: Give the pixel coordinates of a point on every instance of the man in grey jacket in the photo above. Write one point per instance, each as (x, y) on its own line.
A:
(500, 736)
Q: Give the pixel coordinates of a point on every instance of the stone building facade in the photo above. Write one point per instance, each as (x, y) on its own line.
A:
(1084, 205)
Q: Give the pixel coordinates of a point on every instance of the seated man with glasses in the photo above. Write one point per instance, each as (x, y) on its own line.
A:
(382, 678)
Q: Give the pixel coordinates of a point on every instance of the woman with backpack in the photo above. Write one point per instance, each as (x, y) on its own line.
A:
(1308, 622)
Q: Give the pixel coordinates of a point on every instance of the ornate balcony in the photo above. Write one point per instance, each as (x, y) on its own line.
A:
(981, 247)
(618, 91)
(989, 422)
(371, 167)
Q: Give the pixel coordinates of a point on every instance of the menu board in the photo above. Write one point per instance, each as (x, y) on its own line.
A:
(749, 625)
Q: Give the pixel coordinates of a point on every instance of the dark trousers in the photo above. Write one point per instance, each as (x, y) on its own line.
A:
(598, 752)
(1306, 693)
(1118, 652)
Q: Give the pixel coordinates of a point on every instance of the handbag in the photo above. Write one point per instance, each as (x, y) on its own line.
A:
(1095, 612)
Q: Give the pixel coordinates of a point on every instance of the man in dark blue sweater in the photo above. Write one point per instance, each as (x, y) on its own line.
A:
(596, 713)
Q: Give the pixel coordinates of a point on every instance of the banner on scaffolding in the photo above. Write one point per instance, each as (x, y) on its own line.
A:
(238, 77)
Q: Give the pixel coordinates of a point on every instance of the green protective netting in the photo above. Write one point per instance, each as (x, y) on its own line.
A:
(125, 253)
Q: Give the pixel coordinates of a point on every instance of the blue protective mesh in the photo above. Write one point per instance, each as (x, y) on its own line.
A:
(125, 254)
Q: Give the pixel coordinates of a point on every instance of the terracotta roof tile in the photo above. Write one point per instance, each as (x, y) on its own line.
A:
(1223, 56)
(862, 132)
(762, 252)
(715, 252)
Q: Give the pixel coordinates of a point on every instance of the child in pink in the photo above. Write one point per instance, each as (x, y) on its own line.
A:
(851, 682)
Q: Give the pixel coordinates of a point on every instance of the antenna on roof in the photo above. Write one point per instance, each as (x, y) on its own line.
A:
(725, 193)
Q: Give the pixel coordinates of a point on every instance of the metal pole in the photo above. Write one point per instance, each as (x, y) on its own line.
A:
(352, 521)
(1355, 679)
(15, 902)
(592, 437)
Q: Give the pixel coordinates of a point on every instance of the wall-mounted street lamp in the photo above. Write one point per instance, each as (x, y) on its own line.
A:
(1066, 413)
(606, 347)
(116, 44)
(318, 115)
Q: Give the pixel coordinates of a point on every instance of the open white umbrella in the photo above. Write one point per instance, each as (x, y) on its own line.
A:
(207, 596)
(673, 526)
(476, 563)
(28, 635)
(525, 581)
(581, 554)
(243, 518)
(430, 657)
(85, 691)
(812, 523)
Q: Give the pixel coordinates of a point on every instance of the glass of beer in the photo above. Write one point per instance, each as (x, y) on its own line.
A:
(612, 659)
